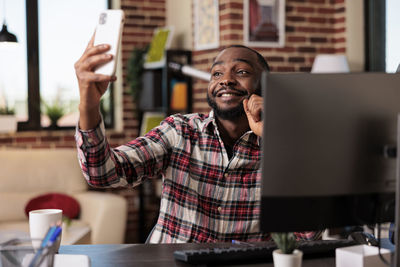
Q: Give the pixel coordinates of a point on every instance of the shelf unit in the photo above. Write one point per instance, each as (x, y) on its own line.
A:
(156, 97)
(158, 85)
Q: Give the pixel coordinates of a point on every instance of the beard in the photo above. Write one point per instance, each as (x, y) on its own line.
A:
(226, 114)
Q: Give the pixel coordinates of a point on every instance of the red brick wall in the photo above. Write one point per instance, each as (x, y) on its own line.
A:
(312, 27)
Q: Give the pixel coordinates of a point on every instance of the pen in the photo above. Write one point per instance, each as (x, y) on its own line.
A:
(50, 238)
(42, 245)
(47, 236)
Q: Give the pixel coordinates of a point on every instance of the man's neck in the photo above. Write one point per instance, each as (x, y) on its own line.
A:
(232, 130)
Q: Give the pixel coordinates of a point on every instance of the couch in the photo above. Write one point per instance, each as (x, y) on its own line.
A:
(28, 173)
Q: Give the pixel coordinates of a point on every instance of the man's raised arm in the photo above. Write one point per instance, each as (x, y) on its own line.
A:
(91, 85)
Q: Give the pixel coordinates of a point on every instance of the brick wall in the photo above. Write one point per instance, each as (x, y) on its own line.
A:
(312, 27)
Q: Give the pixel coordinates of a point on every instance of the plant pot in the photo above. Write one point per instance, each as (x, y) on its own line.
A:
(287, 260)
(8, 124)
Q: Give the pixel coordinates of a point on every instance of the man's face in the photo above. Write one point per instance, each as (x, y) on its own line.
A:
(235, 75)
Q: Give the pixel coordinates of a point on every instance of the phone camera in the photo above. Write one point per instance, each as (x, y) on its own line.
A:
(103, 18)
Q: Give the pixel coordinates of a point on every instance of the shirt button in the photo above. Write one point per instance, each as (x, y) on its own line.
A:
(219, 209)
(226, 175)
(90, 140)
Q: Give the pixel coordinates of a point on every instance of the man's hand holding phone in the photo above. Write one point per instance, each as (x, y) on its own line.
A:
(96, 67)
(92, 85)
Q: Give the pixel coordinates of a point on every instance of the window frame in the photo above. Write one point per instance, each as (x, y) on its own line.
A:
(34, 114)
(375, 35)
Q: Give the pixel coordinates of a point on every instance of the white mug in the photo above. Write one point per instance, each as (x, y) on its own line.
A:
(39, 223)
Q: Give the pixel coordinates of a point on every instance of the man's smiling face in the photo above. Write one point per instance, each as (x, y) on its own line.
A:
(235, 75)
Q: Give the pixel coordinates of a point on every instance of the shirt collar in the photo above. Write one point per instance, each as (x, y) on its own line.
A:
(209, 123)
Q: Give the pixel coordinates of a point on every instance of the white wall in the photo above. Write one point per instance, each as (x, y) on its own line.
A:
(355, 46)
(179, 15)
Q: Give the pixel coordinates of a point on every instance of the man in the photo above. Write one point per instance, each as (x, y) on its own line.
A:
(210, 164)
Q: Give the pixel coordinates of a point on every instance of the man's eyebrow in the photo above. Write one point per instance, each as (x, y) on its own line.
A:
(216, 63)
(245, 61)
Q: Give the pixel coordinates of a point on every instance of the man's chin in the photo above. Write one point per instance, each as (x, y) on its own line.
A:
(229, 114)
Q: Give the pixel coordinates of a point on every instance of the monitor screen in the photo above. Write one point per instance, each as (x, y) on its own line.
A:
(327, 144)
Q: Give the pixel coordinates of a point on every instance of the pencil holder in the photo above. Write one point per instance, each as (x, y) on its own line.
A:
(20, 253)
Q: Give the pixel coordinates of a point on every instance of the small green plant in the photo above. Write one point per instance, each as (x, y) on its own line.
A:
(4, 107)
(54, 111)
(6, 111)
(66, 220)
(135, 71)
(286, 242)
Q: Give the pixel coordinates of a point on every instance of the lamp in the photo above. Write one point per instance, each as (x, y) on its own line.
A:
(330, 63)
(5, 35)
(190, 71)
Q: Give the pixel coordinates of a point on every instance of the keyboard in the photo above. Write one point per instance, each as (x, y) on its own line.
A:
(257, 252)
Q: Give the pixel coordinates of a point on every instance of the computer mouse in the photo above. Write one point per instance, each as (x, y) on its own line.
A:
(364, 238)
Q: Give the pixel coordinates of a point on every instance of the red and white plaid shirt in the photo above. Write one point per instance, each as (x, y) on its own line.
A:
(206, 197)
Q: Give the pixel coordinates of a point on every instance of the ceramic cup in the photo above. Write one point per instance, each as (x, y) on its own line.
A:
(39, 223)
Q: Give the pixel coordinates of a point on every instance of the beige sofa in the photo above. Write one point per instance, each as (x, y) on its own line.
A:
(25, 174)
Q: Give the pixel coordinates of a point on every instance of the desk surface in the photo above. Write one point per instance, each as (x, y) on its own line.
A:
(157, 255)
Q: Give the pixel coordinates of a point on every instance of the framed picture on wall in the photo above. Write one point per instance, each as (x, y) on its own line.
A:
(264, 23)
(151, 120)
(206, 24)
(155, 57)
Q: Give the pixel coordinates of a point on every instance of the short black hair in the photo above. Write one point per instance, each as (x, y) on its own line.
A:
(261, 59)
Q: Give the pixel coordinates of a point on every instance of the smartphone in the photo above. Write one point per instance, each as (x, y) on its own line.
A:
(109, 31)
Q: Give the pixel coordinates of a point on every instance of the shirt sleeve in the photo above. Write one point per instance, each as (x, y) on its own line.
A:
(310, 235)
(128, 164)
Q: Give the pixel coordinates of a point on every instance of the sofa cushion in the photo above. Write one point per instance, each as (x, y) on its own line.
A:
(40, 171)
(67, 204)
(12, 205)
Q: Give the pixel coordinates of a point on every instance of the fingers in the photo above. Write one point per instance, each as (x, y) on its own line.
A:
(97, 51)
(253, 113)
(253, 107)
(93, 77)
(93, 55)
(91, 62)
(91, 42)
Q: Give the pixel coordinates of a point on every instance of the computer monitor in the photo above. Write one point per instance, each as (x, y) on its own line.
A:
(328, 150)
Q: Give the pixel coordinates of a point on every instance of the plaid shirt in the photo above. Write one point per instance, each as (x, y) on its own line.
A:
(206, 197)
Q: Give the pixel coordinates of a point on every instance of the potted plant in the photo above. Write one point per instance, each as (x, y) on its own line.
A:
(135, 70)
(54, 111)
(286, 255)
(8, 120)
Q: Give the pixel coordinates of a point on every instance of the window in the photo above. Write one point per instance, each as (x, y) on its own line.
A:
(392, 35)
(50, 43)
(13, 63)
(382, 35)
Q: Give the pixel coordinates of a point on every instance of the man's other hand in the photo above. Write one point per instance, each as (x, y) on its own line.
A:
(253, 108)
